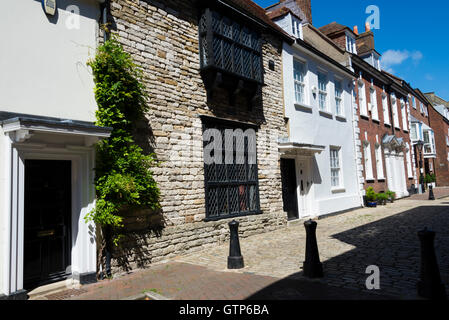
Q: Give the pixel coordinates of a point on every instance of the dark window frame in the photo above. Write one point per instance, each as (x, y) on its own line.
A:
(211, 32)
(228, 184)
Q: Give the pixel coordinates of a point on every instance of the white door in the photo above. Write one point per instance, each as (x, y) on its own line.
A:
(304, 185)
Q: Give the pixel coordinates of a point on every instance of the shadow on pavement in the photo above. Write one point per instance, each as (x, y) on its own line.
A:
(392, 244)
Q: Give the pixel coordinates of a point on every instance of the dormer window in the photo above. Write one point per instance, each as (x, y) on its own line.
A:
(351, 44)
(296, 27)
(376, 61)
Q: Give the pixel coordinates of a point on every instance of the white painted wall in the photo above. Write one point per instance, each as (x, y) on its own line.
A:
(308, 125)
(43, 63)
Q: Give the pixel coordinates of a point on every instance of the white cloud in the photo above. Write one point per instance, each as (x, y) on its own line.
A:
(396, 57)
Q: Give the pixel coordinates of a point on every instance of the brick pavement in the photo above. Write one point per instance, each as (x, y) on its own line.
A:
(385, 236)
(439, 193)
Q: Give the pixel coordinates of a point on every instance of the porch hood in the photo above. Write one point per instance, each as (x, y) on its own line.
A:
(22, 126)
(298, 149)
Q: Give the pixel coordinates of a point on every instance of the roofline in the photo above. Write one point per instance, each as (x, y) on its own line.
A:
(380, 74)
(257, 20)
(318, 53)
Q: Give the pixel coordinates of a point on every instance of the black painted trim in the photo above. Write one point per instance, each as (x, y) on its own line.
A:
(18, 295)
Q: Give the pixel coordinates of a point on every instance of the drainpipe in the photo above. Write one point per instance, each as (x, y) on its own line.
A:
(104, 7)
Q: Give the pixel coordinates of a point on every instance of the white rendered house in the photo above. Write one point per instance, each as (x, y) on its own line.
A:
(319, 166)
(47, 137)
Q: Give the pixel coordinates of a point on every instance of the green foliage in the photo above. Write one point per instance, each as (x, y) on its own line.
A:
(382, 198)
(123, 172)
(371, 196)
(430, 178)
(391, 195)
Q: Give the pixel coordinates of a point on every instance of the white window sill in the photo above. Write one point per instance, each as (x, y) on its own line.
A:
(338, 190)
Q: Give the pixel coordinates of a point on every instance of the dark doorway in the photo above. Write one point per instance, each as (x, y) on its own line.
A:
(48, 203)
(289, 186)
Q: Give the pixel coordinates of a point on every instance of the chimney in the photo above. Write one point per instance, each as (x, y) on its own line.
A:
(367, 27)
(356, 30)
(306, 8)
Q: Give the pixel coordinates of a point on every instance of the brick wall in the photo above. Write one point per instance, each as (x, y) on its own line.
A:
(163, 40)
(440, 127)
(373, 131)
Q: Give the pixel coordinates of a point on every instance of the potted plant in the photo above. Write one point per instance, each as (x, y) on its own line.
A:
(371, 198)
(391, 195)
(382, 199)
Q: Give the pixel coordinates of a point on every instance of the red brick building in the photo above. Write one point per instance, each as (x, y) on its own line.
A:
(383, 125)
(423, 159)
(439, 118)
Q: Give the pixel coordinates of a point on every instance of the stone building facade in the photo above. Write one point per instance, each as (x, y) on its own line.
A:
(163, 39)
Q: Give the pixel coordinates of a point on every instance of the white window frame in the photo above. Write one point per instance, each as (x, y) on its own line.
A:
(385, 109)
(379, 162)
(298, 82)
(369, 174)
(322, 93)
(296, 27)
(373, 101)
(409, 162)
(336, 167)
(362, 98)
(414, 102)
(421, 107)
(414, 129)
(404, 116)
(351, 44)
(339, 95)
(394, 105)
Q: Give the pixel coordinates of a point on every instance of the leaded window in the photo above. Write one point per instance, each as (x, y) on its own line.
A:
(230, 170)
(230, 46)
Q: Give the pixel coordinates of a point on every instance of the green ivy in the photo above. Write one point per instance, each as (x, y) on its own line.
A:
(123, 172)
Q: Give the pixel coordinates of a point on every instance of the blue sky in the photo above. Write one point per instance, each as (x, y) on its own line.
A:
(412, 38)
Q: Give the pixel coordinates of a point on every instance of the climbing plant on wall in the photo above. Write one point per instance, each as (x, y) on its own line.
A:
(123, 172)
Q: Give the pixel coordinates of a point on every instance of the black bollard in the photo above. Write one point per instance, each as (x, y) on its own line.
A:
(312, 267)
(431, 196)
(429, 285)
(235, 259)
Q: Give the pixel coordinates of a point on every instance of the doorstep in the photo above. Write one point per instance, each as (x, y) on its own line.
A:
(41, 292)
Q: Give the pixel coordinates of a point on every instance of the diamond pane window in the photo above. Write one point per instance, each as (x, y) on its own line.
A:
(230, 46)
(231, 178)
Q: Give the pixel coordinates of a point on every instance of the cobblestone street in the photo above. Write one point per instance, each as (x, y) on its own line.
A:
(348, 243)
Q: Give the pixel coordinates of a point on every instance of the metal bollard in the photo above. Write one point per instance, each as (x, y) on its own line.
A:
(429, 285)
(312, 267)
(431, 196)
(235, 259)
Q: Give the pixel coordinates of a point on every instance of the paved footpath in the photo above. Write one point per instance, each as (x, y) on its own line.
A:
(385, 236)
